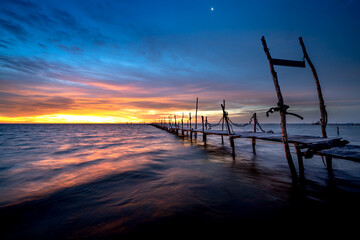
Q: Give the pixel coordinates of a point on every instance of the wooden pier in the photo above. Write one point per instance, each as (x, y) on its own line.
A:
(305, 146)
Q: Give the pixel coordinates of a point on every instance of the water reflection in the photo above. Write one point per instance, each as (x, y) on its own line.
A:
(112, 180)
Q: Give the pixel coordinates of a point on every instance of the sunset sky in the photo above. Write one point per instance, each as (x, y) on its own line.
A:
(133, 61)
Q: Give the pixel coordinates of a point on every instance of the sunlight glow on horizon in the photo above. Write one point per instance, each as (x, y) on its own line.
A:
(62, 118)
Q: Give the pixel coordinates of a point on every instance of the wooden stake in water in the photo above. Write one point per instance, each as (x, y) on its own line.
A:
(323, 113)
(197, 102)
(222, 125)
(282, 111)
(203, 129)
(254, 140)
(190, 126)
(231, 139)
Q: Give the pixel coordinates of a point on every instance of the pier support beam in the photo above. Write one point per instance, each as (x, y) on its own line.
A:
(323, 113)
(231, 138)
(190, 126)
(282, 111)
(254, 140)
(300, 160)
(196, 110)
(329, 163)
(203, 129)
(232, 144)
(222, 125)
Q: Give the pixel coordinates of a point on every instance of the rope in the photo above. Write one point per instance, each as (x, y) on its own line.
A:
(241, 125)
(261, 129)
(209, 125)
(282, 108)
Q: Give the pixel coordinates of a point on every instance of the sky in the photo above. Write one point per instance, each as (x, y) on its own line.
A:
(140, 60)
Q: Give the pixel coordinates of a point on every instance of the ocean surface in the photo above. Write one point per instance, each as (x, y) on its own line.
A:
(109, 181)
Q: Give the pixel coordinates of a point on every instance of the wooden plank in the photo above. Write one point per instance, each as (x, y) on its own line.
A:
(349, 152)
(288, 63)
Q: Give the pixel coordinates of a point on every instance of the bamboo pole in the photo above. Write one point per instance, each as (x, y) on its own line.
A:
(282, 112)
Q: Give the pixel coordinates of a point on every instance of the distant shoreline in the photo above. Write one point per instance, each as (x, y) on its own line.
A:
(354, 124)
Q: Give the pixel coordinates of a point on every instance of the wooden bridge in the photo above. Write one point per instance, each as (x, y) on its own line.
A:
(305, 146)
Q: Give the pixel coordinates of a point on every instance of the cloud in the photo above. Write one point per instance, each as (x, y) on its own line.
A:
(72, 50)
(16, 105)
(13, 28)
(24, 4)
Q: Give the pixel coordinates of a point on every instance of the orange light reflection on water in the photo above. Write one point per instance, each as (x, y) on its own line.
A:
(86, 166)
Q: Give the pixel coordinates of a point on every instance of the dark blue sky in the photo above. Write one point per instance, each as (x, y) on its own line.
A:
(112, 61)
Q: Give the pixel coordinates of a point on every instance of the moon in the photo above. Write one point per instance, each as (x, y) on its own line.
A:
(212, 9)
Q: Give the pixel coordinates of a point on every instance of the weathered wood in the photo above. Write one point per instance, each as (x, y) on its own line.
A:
(226, 120)
(177, 131)
(332, 147)
(348, 152)
(254, 139)
(288, 63)
(300, 159)
(232, 144)
(203, 129)
(190, 125)
(222, 125)
(329, 163)
(282, 112)
(231, 139)
(323, 119)
(182, 126)
(196, 110)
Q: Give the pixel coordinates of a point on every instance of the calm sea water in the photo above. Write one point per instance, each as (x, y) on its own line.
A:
(91, 181)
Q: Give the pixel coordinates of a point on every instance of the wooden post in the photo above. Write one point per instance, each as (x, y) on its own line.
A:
(254, 140)
(190, 126)
(222, 125)
(203, 129)
(176, 127)
(182, 126)
(300, 159)
(197, 102)
(282, 112)
(323, 112)
(329, 163)
(206, 123)
(169, 123)
(231, 139)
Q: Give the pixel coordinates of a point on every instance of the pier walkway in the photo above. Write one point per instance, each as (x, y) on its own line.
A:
(305, 146)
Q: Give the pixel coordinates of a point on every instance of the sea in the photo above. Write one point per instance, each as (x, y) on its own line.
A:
(130, 181)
